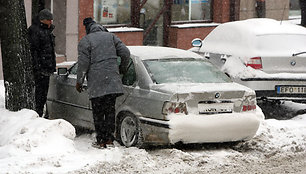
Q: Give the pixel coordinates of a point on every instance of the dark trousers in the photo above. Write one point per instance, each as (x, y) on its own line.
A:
(41, 92)
(303, 12)
(103, 109)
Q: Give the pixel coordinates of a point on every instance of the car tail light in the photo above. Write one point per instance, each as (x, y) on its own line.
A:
(174, 107)
(248, 107)
(255, 63)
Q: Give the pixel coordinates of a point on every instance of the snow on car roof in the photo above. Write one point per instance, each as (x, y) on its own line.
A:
(155, 52)
(244, 37)
(264, 26)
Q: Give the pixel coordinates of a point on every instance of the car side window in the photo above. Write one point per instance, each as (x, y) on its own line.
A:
(130, 76)
(73, 70)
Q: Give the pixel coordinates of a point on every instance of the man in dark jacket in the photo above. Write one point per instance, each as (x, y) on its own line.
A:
(42, 43)
(97, 61)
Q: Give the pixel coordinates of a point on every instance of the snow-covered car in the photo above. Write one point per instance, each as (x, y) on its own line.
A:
(266, 55)
(171, 96)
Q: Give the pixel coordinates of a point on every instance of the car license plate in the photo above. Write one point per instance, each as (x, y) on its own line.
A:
(214, 108)
(291, 89)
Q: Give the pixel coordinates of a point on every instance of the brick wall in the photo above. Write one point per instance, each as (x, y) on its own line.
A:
(85, 10)
(181, 37)
(221, 11)
(275, 9)
(131, 38)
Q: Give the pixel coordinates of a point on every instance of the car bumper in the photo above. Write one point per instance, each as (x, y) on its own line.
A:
(267, 87)
(204, 128)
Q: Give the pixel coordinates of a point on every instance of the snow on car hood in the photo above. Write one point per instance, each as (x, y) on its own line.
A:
(183, 88)
(237, 69)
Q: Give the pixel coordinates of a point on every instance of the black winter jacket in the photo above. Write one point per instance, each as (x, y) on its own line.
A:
(42, 42)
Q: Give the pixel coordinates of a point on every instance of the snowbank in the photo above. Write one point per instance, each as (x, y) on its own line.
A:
(29, 143)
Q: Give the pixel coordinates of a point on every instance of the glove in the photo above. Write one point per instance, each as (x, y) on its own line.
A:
(78, 87)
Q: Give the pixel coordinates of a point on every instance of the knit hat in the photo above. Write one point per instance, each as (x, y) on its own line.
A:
(45, 14)
(87, 21)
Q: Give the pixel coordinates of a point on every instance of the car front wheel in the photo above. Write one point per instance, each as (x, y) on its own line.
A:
(130, 131)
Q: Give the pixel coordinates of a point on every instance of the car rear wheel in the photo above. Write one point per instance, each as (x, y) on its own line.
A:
(130, 131)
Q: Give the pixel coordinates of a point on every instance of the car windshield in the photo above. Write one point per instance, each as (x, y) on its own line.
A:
(184, 70)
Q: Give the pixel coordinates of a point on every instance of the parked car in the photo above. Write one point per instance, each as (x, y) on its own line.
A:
(266, 55)
(171, 96)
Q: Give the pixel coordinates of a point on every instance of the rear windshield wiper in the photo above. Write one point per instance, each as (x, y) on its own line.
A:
(296, 54)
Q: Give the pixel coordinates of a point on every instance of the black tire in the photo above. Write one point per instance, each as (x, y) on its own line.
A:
(130, 133)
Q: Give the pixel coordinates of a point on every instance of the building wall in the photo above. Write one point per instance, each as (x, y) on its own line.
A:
(85, 10)
(221, 11)
(130, 38)
(181, 37)
(72, 35)
(275, 9)
(59, 20)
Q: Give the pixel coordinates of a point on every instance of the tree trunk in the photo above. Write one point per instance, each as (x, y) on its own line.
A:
(16, 56)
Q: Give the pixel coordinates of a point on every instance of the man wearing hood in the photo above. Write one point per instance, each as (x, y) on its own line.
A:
(42, 42)
(97, 61)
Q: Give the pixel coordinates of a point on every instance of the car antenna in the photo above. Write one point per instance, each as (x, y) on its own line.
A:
(283, 13)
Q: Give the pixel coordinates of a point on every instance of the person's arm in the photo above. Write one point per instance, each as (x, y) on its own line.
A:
(83, 62)
(124, 53)
(34, 47)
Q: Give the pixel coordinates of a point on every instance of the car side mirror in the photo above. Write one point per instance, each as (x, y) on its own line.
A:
(196, 42)
(62, 71)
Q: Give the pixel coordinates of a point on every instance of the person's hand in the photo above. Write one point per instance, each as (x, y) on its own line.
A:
(78, 87)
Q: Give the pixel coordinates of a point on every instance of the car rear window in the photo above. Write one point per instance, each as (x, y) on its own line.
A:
(184, 70)
(282, 43)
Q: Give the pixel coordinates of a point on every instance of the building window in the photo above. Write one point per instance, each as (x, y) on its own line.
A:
(191, 10)
(295, 9)
(112, 11)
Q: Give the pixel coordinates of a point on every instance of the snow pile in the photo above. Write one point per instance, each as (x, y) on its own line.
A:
(24, 132)
(29, 143)
(286, 136)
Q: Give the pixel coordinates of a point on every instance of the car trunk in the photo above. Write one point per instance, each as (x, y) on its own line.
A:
(211, 98)
(279, 52)
(284, 64)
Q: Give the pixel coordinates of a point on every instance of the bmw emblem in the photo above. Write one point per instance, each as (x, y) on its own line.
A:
(217, 95)
(293, 63)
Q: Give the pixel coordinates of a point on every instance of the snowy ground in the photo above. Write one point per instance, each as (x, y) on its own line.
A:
(35, 145)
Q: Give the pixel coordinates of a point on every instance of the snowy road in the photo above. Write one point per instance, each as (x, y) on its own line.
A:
(279, 147)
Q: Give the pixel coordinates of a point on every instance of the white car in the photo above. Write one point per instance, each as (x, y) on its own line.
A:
(266, 55)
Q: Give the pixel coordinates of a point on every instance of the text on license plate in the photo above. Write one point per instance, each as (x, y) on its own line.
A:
(205, 108)
(291, 89)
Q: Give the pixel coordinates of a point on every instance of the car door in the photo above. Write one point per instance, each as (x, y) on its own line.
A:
(128, 81)
(69, 104)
